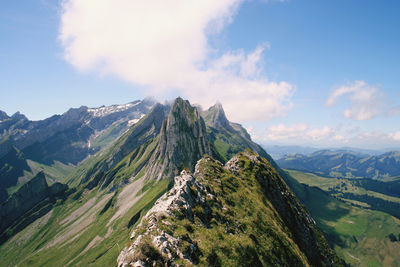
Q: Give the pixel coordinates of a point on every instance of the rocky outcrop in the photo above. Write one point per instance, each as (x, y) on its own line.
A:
(182, 141)
(26, 198)
(181, 198)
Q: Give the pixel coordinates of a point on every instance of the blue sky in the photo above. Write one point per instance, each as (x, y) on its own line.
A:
(276, 63)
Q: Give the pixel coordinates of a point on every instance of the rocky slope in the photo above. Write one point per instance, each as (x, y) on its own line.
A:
(239, 214)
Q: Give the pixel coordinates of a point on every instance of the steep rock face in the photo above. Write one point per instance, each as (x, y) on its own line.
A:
(27, 197)
(228, 138)
(240, 214)
(3, 116)
(147, 129)
(182, 141)
(138, 136)
(215, 117)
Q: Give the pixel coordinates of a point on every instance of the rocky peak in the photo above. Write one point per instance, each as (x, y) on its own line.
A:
(18, 116)
(182, 141)
(3, 115)
(215, 117)
(75, 114)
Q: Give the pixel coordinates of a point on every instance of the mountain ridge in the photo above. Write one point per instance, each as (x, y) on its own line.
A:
(111, 191)
(345, 164)
(196, 199)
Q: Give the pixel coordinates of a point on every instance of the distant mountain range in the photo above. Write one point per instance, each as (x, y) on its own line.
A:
(27, 147)
(347, 164)
(279, 151)
(72, 136)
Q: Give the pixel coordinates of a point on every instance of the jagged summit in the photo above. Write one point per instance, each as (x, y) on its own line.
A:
(215, 117)
(19, 116)
(164, 142)
(182, 141)
(3, 115)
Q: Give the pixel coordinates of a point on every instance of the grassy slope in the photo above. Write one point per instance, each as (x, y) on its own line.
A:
(358, 235)
(344, 185)
(29, 247)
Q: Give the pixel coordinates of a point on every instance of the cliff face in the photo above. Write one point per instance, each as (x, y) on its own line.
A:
(181, 143)
(234, 215)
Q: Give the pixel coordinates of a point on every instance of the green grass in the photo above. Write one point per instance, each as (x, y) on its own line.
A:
(359, 235)
(54, 173)
(339, 184)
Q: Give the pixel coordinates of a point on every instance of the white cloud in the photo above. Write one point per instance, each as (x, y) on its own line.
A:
(366, 100)
(395, 136)
(319, 134)
(163, 45)
(283, 132)
(295, 133)
(324, 136)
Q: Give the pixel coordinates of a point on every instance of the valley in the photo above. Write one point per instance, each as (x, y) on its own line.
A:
(359, 231)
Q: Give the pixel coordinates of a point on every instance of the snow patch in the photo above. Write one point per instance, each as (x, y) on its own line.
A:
(104, 111)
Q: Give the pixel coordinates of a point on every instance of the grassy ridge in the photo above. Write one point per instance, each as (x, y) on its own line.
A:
(239, 227)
